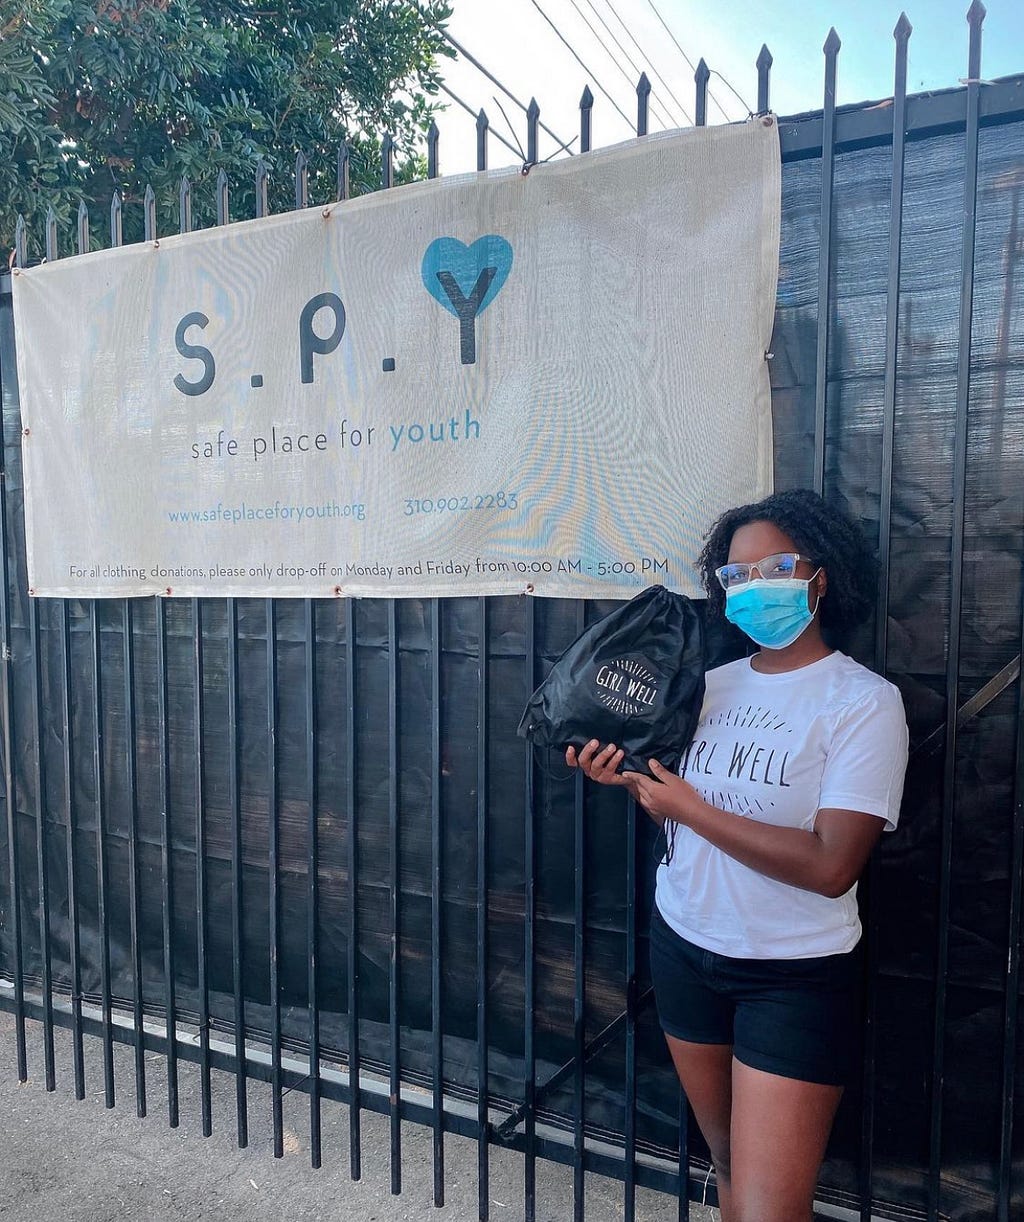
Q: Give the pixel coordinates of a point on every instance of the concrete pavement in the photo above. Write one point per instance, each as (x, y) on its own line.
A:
(68, 1161)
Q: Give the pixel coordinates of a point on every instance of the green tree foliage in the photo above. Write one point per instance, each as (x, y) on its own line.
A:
(121, 94)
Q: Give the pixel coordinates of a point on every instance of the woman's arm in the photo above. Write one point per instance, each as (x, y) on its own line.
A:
(828, 859)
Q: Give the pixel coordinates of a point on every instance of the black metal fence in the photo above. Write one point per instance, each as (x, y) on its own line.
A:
(298, 840)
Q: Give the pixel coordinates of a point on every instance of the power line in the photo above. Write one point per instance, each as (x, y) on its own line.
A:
(634, 80)
(562, 144)
(742, 101)
(629, 32)
(466, 106)
(688, 60)
(590, 74)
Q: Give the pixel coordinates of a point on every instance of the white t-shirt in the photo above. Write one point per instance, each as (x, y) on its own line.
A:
(778, 748)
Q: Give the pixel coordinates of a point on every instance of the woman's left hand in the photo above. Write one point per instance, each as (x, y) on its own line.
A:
(663, 794)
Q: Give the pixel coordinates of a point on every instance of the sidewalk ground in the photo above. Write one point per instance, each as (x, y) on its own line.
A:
(68, 1161)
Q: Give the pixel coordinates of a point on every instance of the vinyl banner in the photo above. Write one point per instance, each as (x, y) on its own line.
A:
(547, 383)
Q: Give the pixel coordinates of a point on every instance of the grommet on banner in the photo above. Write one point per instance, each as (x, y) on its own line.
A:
(156, 243)
(25, 432)
(338, 591)
(326, 214)
(768, 120)
(769, 356)
(167, 592)
(527, 167)
(529, 587)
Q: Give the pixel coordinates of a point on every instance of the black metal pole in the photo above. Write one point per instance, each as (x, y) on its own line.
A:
(975, 18)
(237, 875)
(701, 77)
(394, 879)
(202, 967)
(42, 867)
(764, 68)
(313, 883)
(78, 1052)
(274, 880)
(134, 885)
(1013, 972)
(586, 119)
(579, 1004)
(831, 49)
(870, 890)
(7, 715)
(632, 903)
(101, 854)
(482, 786)
(436, 902)
(683, 1164)
(167, 864)
(355, 1098)
(530, 950)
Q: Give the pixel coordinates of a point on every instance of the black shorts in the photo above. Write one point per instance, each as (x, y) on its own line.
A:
(799, 1018)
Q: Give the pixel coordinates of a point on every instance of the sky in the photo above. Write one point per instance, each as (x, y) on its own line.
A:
(514, 41)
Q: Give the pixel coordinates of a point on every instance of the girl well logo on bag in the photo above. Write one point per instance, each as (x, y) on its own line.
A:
(628, 686)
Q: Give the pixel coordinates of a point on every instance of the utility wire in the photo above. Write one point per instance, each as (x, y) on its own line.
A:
(632, 125)
(629, 32)
(742, 101)
(466, 106)
(688, 60)
(664, 117)
(562, 144)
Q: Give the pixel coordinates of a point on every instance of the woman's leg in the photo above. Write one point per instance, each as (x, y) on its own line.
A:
(779, 1132)
(705, 1070)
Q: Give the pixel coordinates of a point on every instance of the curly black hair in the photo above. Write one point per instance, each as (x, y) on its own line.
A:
(819, 530)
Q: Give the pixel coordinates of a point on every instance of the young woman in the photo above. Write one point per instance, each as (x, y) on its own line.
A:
(795, 769)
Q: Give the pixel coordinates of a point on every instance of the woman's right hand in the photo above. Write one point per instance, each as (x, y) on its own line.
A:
(597, 762)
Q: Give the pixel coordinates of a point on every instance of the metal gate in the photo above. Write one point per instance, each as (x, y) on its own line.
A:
(298, 840)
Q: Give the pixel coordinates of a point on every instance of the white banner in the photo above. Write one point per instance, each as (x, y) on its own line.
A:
(497, 383)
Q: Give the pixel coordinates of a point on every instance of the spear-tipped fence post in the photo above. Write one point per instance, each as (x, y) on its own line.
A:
(149, 214)
(20, 245)
(433, 136)
(116, 220)
(221, 191)
(532, 122)
(387, 161)
(51, 236)
(828, 143)
(262, 189)
(185, 206)
(344, 159)
(702, 76)
(301, 181)
(83, 228)
(643, 104)
(764, 68)
(482, 128)
(586, 117)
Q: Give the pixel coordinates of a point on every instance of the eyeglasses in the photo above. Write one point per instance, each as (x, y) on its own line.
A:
(772, 568)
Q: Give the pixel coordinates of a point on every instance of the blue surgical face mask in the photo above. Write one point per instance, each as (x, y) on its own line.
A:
(771, 613)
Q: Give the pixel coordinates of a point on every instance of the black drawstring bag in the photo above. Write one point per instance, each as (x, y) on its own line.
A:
(635, 679)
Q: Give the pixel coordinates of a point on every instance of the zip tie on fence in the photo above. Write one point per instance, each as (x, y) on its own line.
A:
(973, 80)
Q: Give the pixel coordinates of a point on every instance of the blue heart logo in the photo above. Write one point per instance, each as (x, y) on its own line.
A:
(465, 265)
